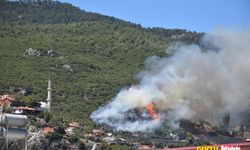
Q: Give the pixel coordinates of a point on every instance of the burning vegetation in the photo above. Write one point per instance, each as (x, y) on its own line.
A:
(200, 92)
(151, 110)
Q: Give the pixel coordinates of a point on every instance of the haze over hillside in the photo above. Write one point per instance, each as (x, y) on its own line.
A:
(93, 56)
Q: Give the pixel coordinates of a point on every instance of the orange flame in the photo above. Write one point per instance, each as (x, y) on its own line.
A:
(151, 110)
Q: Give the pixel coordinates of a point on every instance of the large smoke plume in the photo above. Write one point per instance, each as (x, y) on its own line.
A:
(194, 83)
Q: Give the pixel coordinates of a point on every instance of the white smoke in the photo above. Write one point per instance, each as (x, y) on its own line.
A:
(191, 84)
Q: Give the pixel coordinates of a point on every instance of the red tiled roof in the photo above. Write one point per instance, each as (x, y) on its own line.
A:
(144, 147)
(7, 97)
(5, 102)
(25, 108)
(47, 130)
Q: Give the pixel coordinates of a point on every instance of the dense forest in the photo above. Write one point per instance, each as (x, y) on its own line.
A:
(94, 55)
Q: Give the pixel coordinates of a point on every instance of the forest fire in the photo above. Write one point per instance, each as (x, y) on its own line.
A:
(152, 112)
(192, 84)
(191, 98)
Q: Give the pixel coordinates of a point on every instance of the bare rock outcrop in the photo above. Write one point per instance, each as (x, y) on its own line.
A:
(41, 52)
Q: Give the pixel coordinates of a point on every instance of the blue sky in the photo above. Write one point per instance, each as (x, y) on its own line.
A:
(198, 15)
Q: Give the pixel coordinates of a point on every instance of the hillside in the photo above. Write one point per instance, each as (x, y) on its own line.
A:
(48, 11)
(97, 55)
